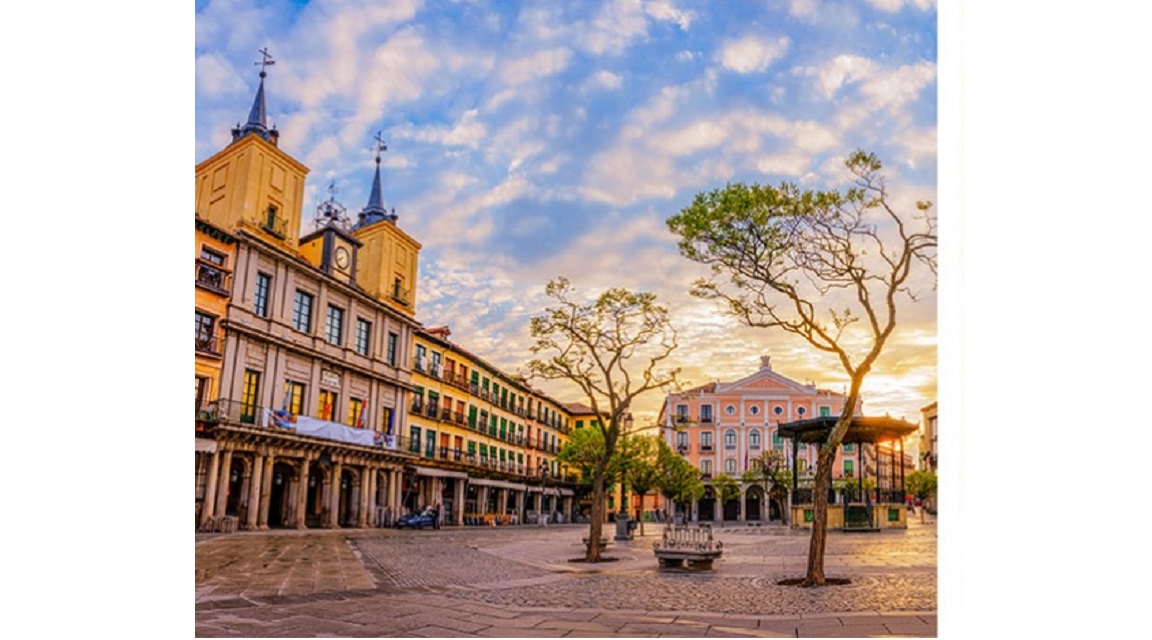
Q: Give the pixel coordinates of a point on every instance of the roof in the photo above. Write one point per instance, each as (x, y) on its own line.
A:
(862, 429)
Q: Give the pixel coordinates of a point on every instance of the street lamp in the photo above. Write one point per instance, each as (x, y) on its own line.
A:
(542, 518)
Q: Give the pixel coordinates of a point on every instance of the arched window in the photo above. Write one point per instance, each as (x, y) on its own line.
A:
(754, 439)
(730, 439)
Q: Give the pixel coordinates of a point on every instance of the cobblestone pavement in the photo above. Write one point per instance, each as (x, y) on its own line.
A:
(519, 582)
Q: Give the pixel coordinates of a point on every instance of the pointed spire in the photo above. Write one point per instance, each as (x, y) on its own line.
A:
(374, 211)
(258, 114)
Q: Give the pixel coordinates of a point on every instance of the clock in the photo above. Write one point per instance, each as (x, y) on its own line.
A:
(342, 258)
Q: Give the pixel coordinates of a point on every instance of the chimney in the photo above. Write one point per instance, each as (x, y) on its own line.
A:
(766, 363)
(439, 332)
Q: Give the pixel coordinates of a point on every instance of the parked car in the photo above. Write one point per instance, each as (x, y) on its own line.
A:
(420, 520)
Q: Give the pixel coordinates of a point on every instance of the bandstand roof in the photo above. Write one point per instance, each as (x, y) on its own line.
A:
(862, 429)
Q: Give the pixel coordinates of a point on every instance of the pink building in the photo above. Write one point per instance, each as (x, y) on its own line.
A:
(725, 427)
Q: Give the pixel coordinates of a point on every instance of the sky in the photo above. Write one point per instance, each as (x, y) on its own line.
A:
(530, 140)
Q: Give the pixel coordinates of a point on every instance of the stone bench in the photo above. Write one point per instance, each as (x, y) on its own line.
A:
(694, 547)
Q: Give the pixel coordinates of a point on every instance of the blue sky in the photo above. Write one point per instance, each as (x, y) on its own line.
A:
(529, 140)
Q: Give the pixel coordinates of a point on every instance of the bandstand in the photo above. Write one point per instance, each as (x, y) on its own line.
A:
(879, 507)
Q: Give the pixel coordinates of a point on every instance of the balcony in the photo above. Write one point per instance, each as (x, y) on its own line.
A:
(275, 225)
(458, 418)
(420, 366)
(210, 345)
(417, 406)
(706, 419)
(445, 415)
(431, 411)
(212, 278)
(401, 295)
(707, 447)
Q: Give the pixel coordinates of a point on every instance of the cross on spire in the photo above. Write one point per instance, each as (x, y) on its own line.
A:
(267, 61)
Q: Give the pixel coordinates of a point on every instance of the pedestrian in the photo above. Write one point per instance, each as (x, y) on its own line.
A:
(436, 516)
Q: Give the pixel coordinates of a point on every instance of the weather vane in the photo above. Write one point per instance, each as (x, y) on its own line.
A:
(380, 146)
(267, 61)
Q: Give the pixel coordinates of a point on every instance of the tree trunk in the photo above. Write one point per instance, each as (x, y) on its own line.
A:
(596, 522)
(816, 545)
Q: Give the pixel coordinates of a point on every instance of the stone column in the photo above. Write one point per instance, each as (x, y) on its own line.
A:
(502, 501)
(520, 507)
(334, 497)
(208, 506)
(367, 513)
(302, 498)
(222, 486)
(459, 501)
(255, 475)
(266, 492)
(717, 511)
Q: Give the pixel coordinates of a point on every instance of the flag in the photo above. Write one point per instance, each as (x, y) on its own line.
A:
(282, 418)
(391, 413)
(360, 418)
(745, 460)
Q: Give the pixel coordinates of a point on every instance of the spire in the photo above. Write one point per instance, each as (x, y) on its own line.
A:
(258, 114)
(374, 211)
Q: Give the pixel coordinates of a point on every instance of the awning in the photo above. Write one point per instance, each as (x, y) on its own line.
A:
(497, 483)
(206, 445)
(437, 473)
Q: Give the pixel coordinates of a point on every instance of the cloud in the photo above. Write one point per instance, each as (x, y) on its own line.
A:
(838, 72)
(892, 6)
(535, 66)
(602, 80)
(751, 54)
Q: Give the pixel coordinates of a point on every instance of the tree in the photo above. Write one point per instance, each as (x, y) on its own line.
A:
(774, 475)
(813, 264)
(679, 480)
(921, 484)
(726, 489)
(614, 349)
(640, 456)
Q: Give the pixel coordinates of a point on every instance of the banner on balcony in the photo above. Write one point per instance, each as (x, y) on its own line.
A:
(333, 431)
(385, 440)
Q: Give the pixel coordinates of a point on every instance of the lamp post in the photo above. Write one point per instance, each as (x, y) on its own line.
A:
(542, 517)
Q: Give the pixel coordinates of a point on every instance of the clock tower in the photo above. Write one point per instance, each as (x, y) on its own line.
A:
(331, 246)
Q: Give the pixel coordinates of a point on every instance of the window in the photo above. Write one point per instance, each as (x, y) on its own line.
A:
(754, 439)
(730, 439)
(730, 409)
(436, 364)
(754, 409)
(706, 413)
(849, 468)
(386, 420)
(430, 443)
(777, 441)
(202, 385)
(335, 329)
(392, 340)
(706, 467)
(302, 312)
(730, 466)
(327, 409)
(248, 396)
(682, 441)
(210, 270)
(777, 410)
(681, 413)
(356, 412)
(294, 397)
(263, 291)
(414, 439)
(849, 447)
(363, 330)
(421, 358)
(705, 440)
(825, 412)
(800, 411)
(205, 332)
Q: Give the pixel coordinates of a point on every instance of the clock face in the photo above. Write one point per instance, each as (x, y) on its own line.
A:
(342, 257)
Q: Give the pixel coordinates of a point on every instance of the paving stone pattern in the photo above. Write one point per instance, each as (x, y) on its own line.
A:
(518, 582)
